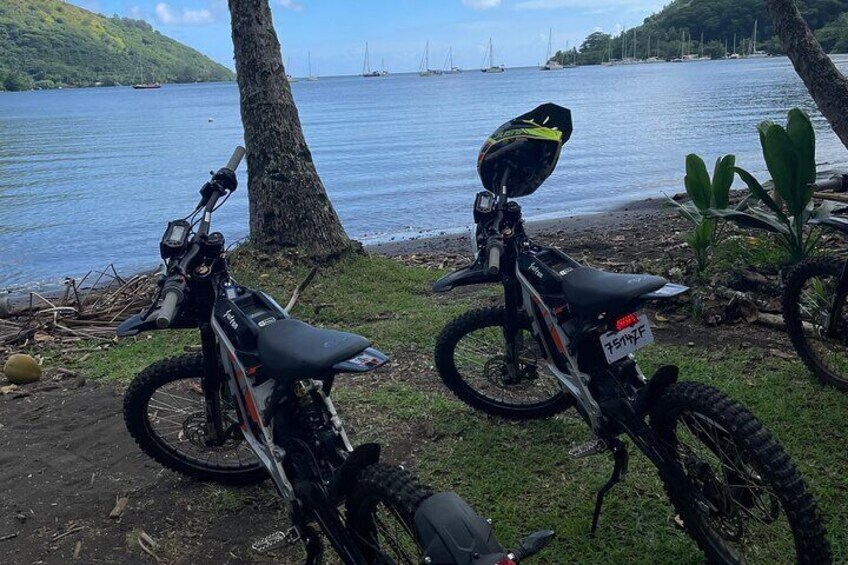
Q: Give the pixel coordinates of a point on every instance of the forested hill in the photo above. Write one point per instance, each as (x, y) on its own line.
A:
(719, 21)
(49, 43)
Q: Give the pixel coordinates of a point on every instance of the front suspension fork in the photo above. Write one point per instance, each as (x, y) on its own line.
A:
(212, 384)
(832, 329)
(512, 304)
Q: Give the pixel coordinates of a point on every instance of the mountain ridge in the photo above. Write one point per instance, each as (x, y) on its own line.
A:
(51, 43)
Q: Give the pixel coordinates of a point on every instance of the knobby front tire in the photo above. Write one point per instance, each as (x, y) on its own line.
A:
(164, 413)
(381, 511)
(459, 355)
(753, 478)
(807, 299)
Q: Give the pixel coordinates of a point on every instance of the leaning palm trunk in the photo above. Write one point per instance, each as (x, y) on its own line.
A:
(289, 207)
(827, 86)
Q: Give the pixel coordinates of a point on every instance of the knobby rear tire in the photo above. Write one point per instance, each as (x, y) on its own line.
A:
(136, 401)
(446, 365)
(397, 490)
(795, 283)
(760, 450)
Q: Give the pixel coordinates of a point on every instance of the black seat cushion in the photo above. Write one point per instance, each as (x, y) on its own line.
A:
(293, 349)
(593, 292)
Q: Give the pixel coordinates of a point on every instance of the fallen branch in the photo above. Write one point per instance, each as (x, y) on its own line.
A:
(301, 287)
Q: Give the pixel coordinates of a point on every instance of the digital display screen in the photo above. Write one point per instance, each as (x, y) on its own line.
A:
(177, 233)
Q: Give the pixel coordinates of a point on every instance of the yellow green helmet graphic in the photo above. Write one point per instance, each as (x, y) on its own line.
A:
(525, 150)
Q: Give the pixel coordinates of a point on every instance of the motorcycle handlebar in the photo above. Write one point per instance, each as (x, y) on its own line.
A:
(495, 248)
(838, 183)
(235, 159)
(168, 310)
(173, 292)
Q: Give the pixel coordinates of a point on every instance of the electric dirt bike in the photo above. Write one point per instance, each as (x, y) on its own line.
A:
(255, 404)
(566, 336)
(814, 303)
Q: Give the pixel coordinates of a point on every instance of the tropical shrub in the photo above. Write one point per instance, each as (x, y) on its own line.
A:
(790, 154)
(705, 195)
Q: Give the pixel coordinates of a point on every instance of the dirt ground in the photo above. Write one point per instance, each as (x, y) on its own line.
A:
(65, 455)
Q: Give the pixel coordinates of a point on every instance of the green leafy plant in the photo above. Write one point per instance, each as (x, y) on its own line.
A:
(790, 154)
(705, 195)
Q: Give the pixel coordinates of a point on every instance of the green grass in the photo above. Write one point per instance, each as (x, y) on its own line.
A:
(519, 474)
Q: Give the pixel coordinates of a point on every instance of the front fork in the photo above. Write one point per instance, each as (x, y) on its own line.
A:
(833, 316)
(511, 327)
(212, 385)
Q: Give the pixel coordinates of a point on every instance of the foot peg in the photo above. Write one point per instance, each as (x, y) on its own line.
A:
(276, 540)
(588, 449)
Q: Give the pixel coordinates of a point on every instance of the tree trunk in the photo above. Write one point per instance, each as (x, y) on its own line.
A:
(828, 87)
(289, 207)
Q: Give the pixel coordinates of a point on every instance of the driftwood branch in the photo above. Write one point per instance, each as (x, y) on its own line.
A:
(301, 287)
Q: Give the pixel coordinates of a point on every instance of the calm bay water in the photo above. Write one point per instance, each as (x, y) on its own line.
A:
(90, 177)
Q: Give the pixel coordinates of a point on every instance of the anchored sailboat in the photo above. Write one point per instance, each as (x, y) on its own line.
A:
(310, 77)
(448, 68)
(755, 54)
(551, 64)
(366, 65)
(424, 69)
(142, 85)
(489, 67)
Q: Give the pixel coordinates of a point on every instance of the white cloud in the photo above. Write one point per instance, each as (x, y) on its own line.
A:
(136, 13)
(482, 4)
(167, 16)
(290, 5)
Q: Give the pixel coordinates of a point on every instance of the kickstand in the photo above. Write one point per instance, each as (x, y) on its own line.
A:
(314, 546)
(620, 458)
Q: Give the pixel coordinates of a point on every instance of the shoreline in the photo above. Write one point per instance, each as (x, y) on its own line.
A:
(621, 216)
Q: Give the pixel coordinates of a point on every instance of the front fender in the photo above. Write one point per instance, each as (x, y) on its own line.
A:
(471, 274)
(452, 533)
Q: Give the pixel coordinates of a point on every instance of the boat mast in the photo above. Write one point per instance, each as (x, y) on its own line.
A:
(754, 40)
(366, 64)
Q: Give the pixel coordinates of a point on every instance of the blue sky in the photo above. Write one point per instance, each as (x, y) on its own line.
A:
(335, 31)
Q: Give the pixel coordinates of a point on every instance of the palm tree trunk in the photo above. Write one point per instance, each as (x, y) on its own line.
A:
(289, 207)
(827, 86)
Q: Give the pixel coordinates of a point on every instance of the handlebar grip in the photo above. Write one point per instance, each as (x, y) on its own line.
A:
(168, 310)
(836, 184)
(494, 258)
(236, 158)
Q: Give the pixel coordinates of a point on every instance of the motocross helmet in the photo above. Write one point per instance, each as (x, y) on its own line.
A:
(525, 150)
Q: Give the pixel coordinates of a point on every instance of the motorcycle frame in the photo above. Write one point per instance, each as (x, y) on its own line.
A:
(224, 371)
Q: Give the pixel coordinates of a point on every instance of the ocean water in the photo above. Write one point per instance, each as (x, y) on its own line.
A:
(90, 177)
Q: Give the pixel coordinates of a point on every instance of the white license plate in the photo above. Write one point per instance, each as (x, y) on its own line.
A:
(618, 345)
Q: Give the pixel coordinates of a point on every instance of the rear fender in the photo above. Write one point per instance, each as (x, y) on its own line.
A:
(471, 274)
(361, 457)
(451, 533)
(666, 292)
(363, 362)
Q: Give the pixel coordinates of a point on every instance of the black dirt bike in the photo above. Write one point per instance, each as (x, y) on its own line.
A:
(566, 336)
(255, 403)
(814, 303)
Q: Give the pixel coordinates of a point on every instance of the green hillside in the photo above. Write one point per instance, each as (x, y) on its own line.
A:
(49, 43)
(718, 21)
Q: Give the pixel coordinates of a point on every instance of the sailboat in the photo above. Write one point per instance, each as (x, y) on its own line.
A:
(489, 67)
(551, 64)
(145, 85)
(383, 71)
(310, 77)
(754, 54)
(291, 78)
(424, 69)
(366, 66)
(448, 68)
